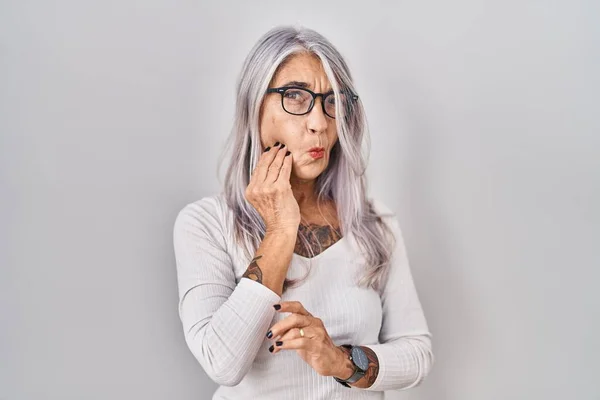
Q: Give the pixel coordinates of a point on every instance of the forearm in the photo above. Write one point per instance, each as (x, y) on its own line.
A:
(347, 369)
(225, 341)
(403, 363)
(400, 364)
(270, 265)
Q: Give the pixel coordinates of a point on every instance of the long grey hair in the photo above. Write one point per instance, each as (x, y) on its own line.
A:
(343, 181)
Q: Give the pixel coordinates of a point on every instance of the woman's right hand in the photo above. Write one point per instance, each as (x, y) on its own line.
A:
(270, 191)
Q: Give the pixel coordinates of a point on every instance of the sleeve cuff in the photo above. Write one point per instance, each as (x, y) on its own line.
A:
(379, 352)
(260, 291)
(403, 363)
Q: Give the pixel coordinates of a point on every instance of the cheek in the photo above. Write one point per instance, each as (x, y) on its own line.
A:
(333, 137)
(268, 125)
(282, 127)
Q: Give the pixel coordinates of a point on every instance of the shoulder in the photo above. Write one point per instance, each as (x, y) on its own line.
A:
(387, 214)
(207, 213)
(381, 208)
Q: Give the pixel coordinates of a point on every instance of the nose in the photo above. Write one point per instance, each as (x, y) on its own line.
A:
(317, 120)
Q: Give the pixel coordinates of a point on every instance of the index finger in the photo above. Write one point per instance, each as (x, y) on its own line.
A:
(264, 161)
(294, 307)
(292, 321)
(286, 168)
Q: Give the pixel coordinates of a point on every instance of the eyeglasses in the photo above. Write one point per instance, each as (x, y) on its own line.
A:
(300, 101)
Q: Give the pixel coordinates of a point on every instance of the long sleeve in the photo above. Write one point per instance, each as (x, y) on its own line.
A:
(224, 323)
(404, 350)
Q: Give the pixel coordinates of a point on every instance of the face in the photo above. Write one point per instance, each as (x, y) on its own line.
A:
(300, 133)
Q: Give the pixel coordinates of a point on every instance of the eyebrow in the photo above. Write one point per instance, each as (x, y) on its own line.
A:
(302, 85)
(297, 83)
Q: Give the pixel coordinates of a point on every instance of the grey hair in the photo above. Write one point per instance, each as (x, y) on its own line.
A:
(343, 181)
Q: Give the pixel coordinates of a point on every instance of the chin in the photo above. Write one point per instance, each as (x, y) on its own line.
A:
(308, 173)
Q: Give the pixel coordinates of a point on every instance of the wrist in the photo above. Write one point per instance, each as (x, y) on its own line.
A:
(282, 230)
(344, 369)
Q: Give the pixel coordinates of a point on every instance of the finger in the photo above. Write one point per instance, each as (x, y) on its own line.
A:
(295, 344)
(260, 171)
(294, 333)
(289, 335)
(286, 169)
(275, 166)
(293, 307)
(293, 321)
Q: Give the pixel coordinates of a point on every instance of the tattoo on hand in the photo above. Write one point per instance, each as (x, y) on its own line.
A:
(253, 272)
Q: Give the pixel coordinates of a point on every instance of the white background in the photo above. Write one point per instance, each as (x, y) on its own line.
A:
(485, 140)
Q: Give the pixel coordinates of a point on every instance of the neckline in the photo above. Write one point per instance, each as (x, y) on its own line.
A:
(321, 254)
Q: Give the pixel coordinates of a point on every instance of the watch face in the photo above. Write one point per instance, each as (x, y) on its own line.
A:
(360, 358)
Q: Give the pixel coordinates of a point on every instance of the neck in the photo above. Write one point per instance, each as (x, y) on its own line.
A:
(304, 192)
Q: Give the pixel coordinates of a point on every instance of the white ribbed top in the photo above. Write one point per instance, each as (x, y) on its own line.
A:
(225, 317)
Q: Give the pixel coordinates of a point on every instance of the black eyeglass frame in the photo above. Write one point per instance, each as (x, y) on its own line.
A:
(283, 89)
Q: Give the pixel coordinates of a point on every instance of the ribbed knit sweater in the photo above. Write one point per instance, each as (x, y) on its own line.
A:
(225, 317)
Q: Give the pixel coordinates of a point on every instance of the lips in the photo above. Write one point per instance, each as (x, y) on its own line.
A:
(316, 152)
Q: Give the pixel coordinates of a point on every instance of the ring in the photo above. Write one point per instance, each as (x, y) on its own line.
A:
(301, 332)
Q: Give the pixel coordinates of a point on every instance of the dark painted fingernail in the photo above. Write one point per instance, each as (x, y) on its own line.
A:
(276, 144)
(278, 343)
(277, 306)
(282, 146)
(268, 148)
(288, 153)
(271, 348)
(270, 334)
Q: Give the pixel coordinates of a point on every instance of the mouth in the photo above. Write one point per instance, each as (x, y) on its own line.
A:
(316, 152)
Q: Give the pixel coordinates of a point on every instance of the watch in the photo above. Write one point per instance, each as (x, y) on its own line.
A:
(360, 361)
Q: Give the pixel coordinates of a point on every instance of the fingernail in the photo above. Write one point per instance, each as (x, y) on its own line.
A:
(282, 146)
(278, 343)
(277, 306)
(271, 348)
(276, 144)
(270, 334)
(268, 148)
(288, 153)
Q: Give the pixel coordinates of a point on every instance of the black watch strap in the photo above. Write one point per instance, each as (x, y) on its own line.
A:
(358, 373)
(342, 382)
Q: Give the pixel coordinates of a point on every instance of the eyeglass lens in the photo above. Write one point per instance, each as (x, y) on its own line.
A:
(298, 101)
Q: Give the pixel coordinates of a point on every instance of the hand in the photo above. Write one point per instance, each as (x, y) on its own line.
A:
(316, 347)
(270, 191)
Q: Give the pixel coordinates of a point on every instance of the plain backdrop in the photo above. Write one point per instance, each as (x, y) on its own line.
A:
(485, 140)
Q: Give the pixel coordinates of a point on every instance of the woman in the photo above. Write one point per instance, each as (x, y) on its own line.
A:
(292, 283)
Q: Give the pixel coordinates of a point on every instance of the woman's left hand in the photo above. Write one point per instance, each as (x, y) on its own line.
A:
(316, 347)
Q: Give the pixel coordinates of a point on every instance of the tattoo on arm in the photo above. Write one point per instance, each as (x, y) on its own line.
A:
(373, 370)
(253, 272)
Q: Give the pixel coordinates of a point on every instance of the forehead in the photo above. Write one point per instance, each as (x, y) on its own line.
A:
(302, 67)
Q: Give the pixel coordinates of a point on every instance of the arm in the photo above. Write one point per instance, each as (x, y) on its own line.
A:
(224, 323)
(403, 357)
(273, 256)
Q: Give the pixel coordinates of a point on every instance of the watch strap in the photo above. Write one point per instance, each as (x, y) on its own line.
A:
(358, 373)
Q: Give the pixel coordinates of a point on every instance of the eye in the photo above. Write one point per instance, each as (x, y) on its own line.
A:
(294, 94)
